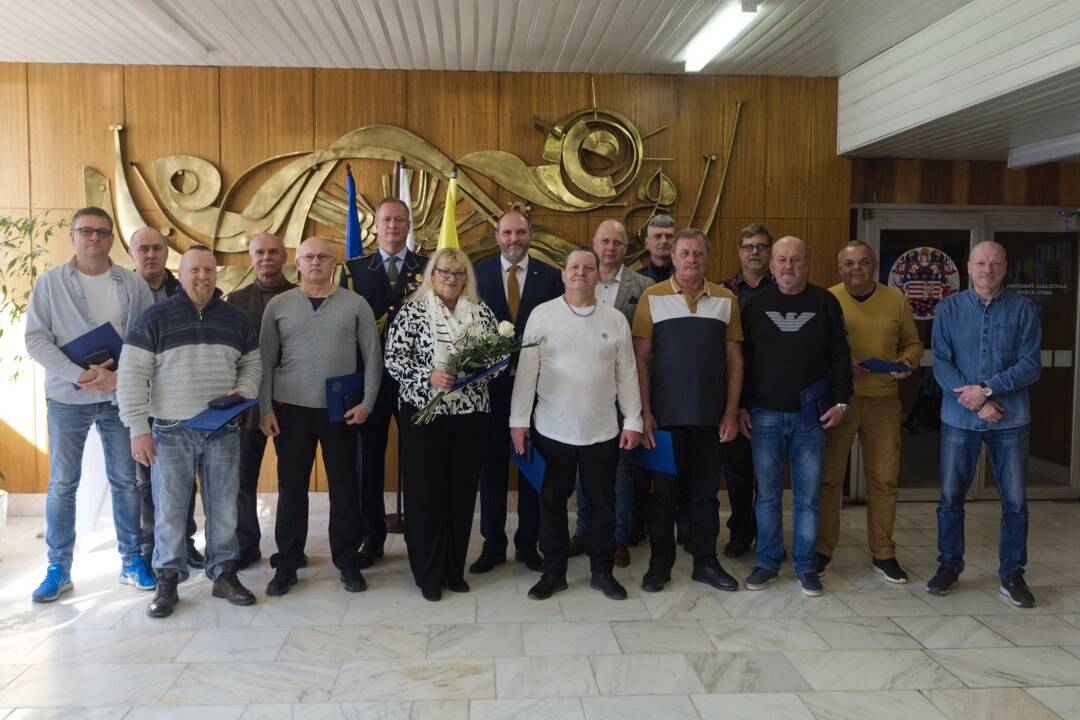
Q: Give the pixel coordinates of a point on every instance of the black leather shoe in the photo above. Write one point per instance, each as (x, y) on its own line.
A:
(654, 581)
(486, 563)
(548, 586)
(713, 574)
(283, 580)
(458, 586)
(431, 594)
(228, 586)
(195, 558)
(607, 584)
(353, 579)
(165, 595)
(736, 548)
(368, 555)
(248, 558)
(531, 558)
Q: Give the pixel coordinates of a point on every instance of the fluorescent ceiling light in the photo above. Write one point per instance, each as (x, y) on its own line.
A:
(1044, 151)
(716, 35)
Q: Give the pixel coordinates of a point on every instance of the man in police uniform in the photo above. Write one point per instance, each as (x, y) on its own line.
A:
(384, 278)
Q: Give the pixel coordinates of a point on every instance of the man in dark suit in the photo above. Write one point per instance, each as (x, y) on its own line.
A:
(385, 279)
(511, 285)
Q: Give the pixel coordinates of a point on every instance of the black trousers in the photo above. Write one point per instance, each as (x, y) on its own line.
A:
(252, 448)
(494, 477)
(302, 429)
(739, 473)
(699, 459)
(371, 461)
(596, 465)
(442, 470)
(146, 511)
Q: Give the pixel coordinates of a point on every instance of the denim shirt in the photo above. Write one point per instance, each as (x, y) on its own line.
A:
(996, 343)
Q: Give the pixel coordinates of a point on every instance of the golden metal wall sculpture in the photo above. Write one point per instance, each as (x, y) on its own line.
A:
(592, 158)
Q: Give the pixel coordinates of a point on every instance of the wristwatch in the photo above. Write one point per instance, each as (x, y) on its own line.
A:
(842, 406)
(986, 391)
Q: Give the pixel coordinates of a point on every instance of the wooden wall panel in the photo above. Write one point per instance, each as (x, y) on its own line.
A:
(14, 137)
(168, 111)
(71, 108)
(830, 175)
(264, 112)
(787, 142)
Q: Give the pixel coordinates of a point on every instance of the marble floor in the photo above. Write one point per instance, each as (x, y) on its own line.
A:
(864, 650)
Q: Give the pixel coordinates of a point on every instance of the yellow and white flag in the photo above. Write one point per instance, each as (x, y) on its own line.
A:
(448, 232)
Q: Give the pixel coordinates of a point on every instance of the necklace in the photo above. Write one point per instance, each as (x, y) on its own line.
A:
(580, 315)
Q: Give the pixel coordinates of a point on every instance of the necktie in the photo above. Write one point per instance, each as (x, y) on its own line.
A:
(391, 271)
(513, 292)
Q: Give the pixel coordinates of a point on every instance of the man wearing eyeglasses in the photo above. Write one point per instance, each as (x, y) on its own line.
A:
(384, 279)
(310, 333)
(755, 252)
(69, 301)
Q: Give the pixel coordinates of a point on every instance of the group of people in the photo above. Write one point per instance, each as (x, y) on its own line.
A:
(612, 357)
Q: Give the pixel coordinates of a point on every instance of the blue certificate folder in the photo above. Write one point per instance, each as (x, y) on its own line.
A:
(531, 465)
(878, 365)
(103, 337)
(211, 420)
(343, 393)
(815, 400)
(658, 459)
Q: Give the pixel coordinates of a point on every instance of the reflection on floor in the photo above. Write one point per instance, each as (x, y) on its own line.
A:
(863, 650)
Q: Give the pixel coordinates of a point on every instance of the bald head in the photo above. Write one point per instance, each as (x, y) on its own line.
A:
(268, 258)
(609, 242)
(986, 268)
(149, 250)
(198, 275)
(315, 261)
(789, 264)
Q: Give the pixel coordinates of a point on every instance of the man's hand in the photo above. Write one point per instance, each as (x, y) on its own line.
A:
(743, 422)
(833, 417)
(357, 415)
(971, 397)
(269, 425)
(441, 380)
(102, 379)
(902, 375)
(858, 370)
(142, 449)
(649, 424)
(517, 436)
(629, 439)
(991, 412)
(729, 427)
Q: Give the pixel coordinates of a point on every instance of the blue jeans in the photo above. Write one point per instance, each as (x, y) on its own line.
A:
(624, 500)
(68, 425)
(1008, 451)
(777, 438)
(180, 453)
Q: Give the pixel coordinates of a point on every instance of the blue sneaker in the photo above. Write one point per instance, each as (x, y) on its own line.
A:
(136, 572)
(57, 580)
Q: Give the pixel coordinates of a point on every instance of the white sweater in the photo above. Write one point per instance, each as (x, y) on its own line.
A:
(576, 375)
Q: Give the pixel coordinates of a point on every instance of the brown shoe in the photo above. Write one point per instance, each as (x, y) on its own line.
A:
(577, 546)
(622, 555)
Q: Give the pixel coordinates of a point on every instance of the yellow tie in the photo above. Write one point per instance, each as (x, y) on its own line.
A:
(513, 292)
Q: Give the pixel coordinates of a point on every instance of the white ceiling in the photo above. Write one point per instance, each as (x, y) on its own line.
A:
(790, 37)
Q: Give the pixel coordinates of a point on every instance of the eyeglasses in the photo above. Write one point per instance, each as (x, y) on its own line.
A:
(88, 232)
(751, 247)
(447, 274)
(317, 257)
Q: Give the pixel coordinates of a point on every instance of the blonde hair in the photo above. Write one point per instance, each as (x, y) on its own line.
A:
(453, 256)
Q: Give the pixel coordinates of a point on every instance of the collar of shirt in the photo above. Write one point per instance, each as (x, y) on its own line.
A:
(615, 280)
(400, 256)
(978, 301)
(691, 302)
(523, 264)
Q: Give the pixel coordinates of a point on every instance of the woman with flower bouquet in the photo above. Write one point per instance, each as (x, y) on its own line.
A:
(439, 347)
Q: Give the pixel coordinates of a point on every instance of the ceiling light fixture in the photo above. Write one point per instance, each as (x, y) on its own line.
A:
(718, 34)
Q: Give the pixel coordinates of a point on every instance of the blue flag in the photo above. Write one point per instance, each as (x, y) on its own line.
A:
(354, 245)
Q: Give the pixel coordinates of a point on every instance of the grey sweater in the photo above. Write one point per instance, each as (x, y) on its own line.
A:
(302, 347)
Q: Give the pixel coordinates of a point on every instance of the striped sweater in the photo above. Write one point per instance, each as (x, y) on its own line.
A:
(176, 359)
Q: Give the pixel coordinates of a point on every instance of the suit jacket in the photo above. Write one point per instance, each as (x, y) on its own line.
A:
(542, 283)
(367, 276)
(631, 285)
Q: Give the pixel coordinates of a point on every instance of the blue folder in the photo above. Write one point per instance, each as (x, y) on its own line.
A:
(338, 389)
(211, 420)
(878, 365)
(815, 400)
(103, 337)
(531, 464)
(658, 459)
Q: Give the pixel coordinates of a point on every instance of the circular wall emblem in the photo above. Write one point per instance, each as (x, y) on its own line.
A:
(925, 275)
